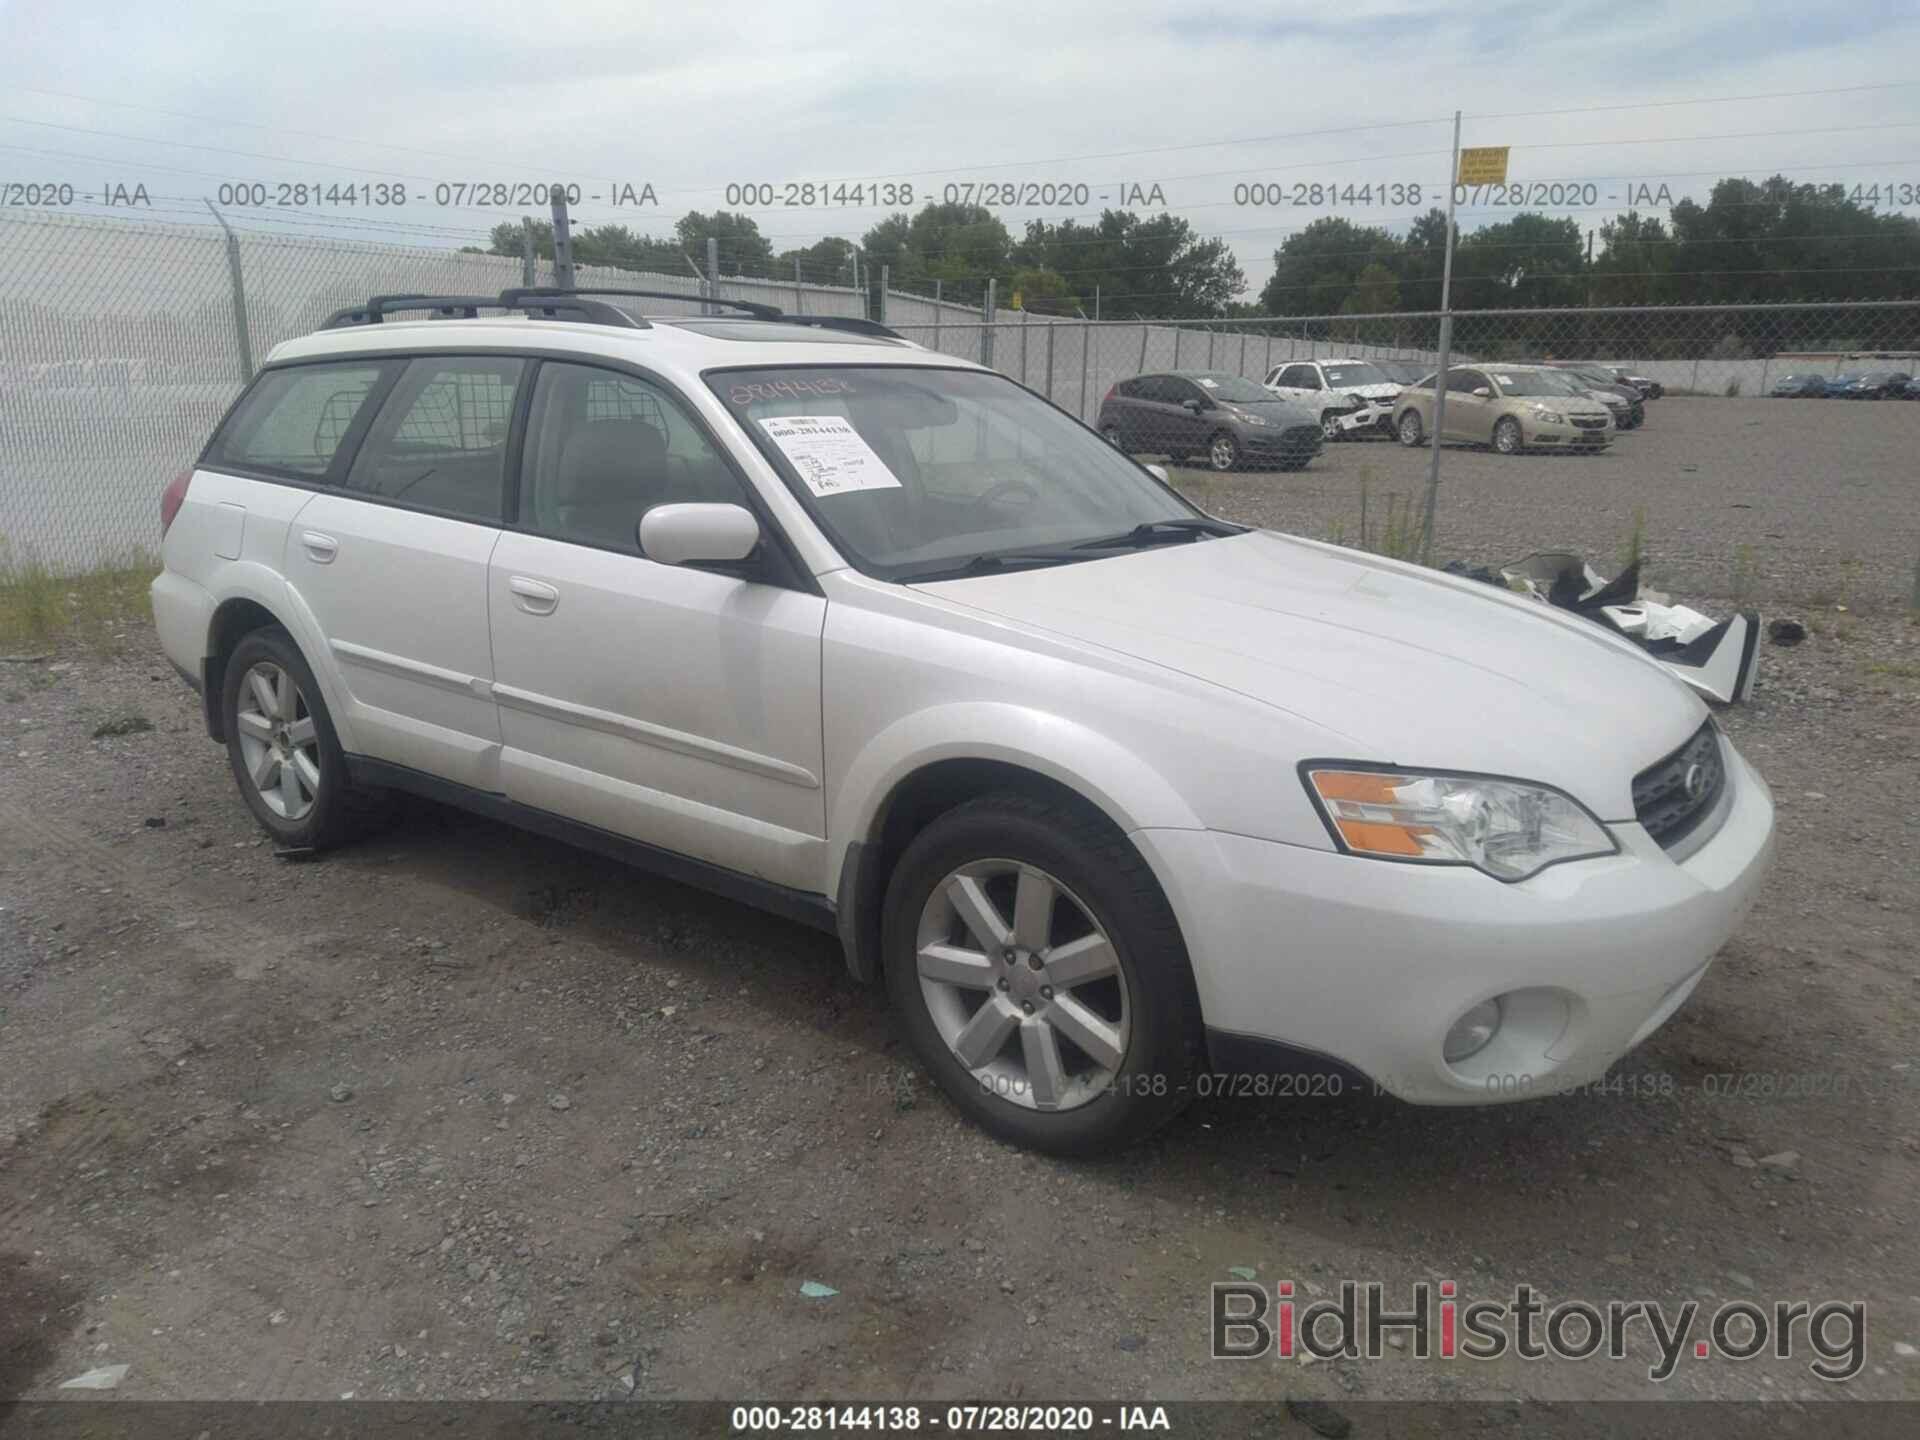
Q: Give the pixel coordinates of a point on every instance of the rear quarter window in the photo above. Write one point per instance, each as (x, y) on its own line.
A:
(293, 420)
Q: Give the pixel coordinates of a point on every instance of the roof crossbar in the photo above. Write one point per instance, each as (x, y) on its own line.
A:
(526, 294)
(468, 307)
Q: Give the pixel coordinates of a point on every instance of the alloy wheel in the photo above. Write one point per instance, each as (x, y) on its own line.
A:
(1023, 985)
(1221, 452)
(1330, 426)
(278, 742)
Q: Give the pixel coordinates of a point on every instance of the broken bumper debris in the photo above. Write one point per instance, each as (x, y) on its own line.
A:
(1715, 657)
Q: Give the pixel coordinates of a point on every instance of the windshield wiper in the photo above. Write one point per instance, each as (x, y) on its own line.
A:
(992, 562)
(1162, 532)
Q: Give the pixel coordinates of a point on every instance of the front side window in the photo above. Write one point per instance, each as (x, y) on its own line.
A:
(603, 448)
(440, 441)
(915, 471)
(1464, 381)
(294, 419)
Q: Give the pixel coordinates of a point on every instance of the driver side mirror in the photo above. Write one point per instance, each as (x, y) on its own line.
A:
(1159, 472)
(1483, 392)
(698, 534)
(1194, 404)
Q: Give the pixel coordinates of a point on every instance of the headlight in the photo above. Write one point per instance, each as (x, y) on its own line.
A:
(1255, 420)
(1507, 828)
(1548, 417)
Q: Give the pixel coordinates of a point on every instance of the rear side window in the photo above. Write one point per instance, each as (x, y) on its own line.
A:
(292, 421)
(440, 441)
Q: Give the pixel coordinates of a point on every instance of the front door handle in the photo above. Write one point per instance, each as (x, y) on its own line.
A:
(322, 548)
(536, 597)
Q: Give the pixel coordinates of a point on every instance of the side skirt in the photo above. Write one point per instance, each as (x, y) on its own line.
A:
(804, 906)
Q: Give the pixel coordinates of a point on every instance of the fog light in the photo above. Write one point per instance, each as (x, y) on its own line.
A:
(1472, 1032)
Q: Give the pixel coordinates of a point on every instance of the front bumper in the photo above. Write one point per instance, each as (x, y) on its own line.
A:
(1566, 437)
(1368, 964)
(1375, 416)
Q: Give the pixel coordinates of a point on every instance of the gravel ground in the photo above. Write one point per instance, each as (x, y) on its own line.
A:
(1781, 502)
(463, 1113)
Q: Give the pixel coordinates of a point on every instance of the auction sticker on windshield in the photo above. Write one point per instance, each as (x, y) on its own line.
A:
(829, 454)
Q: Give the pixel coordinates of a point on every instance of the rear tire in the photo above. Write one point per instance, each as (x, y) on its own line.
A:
(281, 745)
(965, 952)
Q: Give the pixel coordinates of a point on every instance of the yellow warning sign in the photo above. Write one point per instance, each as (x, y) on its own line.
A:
(1486, 165)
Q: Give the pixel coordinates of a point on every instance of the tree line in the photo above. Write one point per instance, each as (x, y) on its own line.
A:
(1758, 242)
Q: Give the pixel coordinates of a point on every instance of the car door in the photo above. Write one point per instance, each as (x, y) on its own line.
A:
(1469, 416)
(1296, 383)
(1190, 414)
(392, 565)
(672, 705)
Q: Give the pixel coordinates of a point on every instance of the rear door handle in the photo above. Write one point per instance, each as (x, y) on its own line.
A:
(536, 597)
(321, 547)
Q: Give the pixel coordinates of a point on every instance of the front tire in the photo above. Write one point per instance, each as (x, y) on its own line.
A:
(1040, 975)
(1507, 438)
(282, 747)
(1330, 425)
(1410, 430)
(1223, 452)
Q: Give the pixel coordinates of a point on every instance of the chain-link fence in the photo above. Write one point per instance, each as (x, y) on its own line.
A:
(123, 344)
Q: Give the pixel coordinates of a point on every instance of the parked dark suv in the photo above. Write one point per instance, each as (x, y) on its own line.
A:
(1228, 419)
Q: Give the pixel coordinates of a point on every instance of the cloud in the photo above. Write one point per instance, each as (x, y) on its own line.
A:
(692, 100)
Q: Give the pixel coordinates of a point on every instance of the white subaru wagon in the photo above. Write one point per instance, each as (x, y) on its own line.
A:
(1115, 797)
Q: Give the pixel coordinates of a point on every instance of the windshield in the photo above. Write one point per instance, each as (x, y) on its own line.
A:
(1360, 373)
(1221, 385)
(913, 471)
(1534, 382)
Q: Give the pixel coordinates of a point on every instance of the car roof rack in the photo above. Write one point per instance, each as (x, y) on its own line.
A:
(751, 309)
(554, 303)
(468, 307)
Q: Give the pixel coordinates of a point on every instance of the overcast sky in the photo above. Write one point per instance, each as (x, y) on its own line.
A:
(185, 95)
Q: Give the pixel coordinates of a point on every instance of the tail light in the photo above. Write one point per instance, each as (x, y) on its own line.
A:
(172, 498)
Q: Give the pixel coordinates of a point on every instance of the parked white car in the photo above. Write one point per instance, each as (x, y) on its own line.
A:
(1351, 397)
(1112, 794)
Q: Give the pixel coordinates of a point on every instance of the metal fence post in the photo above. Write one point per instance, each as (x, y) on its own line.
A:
(1052, 330)
(1178, 331)
(1243, 354)
(1145, 330)
(529, 250)
(1086, 352)
(937, 309)
(1267, 368)
(886, 279)
(799, 295)
(1210, 347)
(563, 275)
(986, 319)
(1694, 384)
(1440, 372)
(243, 338)
(713, 273)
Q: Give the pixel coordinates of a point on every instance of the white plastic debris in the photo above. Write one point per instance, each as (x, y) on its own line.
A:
(1649, 621)
(106, 1377)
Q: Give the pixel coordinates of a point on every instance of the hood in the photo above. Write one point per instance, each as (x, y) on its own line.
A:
(1386, 390)
(1590, 403)
(1381, 661)
(1275, 411)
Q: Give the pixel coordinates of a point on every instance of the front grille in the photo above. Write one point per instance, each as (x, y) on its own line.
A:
(1665, 803)
(1590, 422)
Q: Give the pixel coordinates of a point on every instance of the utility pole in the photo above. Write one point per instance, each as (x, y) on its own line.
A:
(1446, 354)
(562, 238)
